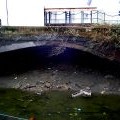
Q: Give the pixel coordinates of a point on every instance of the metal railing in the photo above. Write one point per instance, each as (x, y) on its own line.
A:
(79, 17)
(0, 23)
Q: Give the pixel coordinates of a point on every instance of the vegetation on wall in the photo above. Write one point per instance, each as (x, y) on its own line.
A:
(96, 32)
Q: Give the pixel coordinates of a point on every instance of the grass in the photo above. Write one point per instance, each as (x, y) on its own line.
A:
(58, 105)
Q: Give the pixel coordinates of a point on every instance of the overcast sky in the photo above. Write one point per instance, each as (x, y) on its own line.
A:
(32, 10)
(110, 6)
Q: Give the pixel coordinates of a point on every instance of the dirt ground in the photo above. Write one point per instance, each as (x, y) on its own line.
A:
(62, 77)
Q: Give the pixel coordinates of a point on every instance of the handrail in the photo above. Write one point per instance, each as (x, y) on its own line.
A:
(80, 15)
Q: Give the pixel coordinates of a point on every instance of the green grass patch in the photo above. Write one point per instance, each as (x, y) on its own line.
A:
(58, 105)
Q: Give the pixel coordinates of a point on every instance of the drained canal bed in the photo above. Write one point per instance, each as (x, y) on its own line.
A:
(72, 69)
(41, 70)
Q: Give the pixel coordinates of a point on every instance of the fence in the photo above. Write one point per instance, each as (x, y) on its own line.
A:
(77, 16)
(0, 23)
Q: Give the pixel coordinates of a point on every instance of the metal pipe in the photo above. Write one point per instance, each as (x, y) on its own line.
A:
(7, 13)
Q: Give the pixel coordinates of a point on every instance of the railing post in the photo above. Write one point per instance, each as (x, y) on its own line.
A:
(45, 17)
(0, 26)
(55, 17)
(104, 17)
(69, 17)
(82, 16)
(91, 17)
(97, 16)
(0, 23)
(65, 16)
(49, 13)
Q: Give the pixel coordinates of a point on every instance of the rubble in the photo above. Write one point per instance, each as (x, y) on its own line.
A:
(29, 86)
(47, 85)
(108, 76)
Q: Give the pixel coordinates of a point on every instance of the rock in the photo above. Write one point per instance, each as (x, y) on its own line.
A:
(40, 82)
(18, 86)
(69, 82)
(75, 72)
(48, 85)
(78, 85)
(118, 89)
(59, 86)
(25, 78)
(29, 86)
(108, 76)
(87, 88)
(49, 68)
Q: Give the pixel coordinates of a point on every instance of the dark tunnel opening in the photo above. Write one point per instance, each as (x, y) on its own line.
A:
(23, 60)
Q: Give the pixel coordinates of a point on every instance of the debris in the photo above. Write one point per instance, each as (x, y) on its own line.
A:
(83, 92)
(108, 76)
(38, 93)
(102, 92)
(75, 72)
(49, 68)
(15, 78)
(79, 109)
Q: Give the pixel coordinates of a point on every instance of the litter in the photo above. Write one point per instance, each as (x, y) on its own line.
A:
(83, 92)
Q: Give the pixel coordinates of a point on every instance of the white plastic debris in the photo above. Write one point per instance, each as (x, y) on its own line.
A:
(83, 92)
(79, 109)
(15, 78)
(102, 92)
(38, 93)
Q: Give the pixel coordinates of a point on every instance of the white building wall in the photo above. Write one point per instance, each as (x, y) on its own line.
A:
(3, 12)
(22, 12)
(31, 12)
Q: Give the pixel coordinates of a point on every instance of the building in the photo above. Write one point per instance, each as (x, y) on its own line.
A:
(31, 12)
(22, 12)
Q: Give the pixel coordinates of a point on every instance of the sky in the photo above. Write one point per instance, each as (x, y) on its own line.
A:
(30, 12)
(109, 6)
